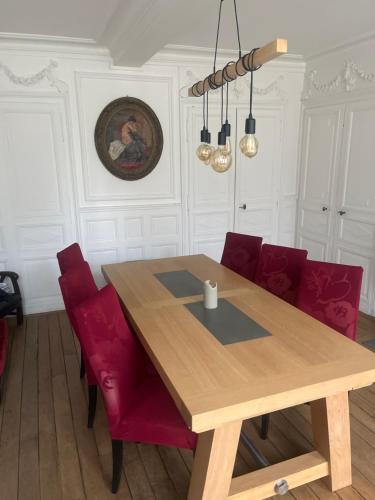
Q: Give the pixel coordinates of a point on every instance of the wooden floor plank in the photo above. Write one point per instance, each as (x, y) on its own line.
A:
(50, 486)
(43, 429)
(29, 429)
(70, 471)
(10, 432)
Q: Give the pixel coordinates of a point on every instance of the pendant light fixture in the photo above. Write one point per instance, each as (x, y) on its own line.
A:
(221, 158)
(249, 143)
(205, 150)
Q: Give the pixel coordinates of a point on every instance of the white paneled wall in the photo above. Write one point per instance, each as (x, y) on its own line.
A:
(336, 210)
(54, 189)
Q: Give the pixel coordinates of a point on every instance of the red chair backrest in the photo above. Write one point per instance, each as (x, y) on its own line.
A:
(279, 270)
(112, 350)
(76, 285)
(331, 293)
(70, 257)
(241, 253)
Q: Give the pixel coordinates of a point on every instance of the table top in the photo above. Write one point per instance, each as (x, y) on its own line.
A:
(211, 383)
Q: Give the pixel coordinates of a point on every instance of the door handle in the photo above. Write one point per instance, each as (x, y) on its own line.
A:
(324, 209)
(341, 212)
(243, 206)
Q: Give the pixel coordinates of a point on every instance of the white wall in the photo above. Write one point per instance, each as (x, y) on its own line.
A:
(54, 189)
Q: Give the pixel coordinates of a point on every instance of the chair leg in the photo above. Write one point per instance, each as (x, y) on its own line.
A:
(82, 370)
(19, 315)
(116, 464)
(265, 426)
(92, 405)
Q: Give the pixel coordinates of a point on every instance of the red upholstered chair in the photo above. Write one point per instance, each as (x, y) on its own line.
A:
(241, 254)
(138, 406)
(279, 270)
(4, 340)
(77, 284)
(69, 257)
(331, 293)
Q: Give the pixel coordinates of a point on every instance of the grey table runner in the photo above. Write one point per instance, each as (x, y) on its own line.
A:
(181, 283)
(227, 323)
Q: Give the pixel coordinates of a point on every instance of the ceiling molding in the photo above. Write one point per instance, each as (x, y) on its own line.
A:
(45, 43)
(352, 42)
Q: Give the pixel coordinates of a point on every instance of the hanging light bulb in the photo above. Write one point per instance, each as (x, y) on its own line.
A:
(221, 160)
(249, 143)
(205, 150)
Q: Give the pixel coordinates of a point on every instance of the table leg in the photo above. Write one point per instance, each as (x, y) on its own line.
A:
(331, 430)
(213, 463)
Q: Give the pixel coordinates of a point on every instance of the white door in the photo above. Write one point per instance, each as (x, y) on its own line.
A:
(37, 207)
(258, 178)
(210, 195)
(321, 136)
(355, 206)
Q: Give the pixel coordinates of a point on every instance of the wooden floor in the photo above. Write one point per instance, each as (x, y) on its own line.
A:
(47, 452)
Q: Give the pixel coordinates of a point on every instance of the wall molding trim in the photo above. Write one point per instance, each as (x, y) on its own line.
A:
(46, 73)
(346, 80)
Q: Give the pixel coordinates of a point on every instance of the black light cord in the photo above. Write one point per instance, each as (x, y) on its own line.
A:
(222, 103)
(217, 33)
(238, 29)
(226, 103)
(204, 109)
(251, 82)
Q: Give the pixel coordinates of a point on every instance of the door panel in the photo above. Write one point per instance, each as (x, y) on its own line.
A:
(354, 241)
(321, 136)
(258, 178)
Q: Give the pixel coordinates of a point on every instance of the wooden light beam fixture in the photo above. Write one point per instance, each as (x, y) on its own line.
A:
(261, 56)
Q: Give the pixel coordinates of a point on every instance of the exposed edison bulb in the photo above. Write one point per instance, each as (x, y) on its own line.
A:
(249, 145)
(228, 146)
(204, 152)
(221, 160)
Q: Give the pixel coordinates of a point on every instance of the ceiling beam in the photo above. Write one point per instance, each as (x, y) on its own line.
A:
(139, 29)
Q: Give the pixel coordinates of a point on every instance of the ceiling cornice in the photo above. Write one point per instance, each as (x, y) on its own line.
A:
(352, 42)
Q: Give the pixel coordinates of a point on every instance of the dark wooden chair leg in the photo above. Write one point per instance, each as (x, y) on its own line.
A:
(19, 315)
(116, 464)
(92, 405)
(82, 370)
(265, 426)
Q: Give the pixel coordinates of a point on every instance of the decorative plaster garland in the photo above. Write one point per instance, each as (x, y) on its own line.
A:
(345, 80)
(45, 73)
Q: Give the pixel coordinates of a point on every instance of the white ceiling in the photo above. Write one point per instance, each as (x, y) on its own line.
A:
(72, 18)
(128, 27)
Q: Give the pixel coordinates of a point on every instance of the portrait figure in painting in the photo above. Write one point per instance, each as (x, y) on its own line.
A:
(128, 138)
(131, 148)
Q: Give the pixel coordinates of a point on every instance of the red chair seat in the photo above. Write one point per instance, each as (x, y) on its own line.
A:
(153, 418)
(4, 340)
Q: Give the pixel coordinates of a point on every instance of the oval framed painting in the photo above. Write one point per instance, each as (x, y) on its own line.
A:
(128, 138)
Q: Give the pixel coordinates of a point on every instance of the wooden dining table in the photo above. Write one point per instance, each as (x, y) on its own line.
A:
(217, 384)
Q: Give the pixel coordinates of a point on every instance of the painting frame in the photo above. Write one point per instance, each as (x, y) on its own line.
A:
(124, 150)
